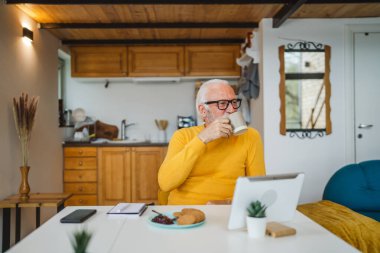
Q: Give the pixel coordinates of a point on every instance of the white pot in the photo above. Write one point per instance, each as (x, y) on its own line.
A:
(256, 227)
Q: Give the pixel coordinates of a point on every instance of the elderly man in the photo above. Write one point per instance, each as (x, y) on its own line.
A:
(203, 162)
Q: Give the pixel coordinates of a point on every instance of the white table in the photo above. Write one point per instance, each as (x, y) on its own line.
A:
(120, 233)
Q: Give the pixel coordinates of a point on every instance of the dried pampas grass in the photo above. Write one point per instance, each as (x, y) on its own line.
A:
(24, 112)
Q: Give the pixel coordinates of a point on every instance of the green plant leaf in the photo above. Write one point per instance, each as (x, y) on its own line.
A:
(80, 240)
(256, 209)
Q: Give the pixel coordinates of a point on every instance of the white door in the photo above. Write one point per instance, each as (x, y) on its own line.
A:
(367, 96)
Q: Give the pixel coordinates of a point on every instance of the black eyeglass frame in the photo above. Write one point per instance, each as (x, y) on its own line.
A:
(217, 102)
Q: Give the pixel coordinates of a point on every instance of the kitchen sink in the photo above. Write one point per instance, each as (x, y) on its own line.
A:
(127, 141)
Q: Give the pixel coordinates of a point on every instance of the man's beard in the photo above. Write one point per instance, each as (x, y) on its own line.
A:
(210, 117)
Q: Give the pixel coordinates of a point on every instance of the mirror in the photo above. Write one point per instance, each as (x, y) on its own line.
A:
(305, 89)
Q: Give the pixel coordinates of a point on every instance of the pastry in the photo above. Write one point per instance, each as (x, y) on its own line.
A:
(189, 216)
(198, 214)
(186, 219)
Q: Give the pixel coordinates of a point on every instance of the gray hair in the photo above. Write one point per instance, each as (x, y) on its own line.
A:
(201, 96)
(203, 91)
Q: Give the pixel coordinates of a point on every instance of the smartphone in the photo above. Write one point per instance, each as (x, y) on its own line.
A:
(78, 216)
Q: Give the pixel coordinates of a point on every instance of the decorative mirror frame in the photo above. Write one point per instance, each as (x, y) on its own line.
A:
(305, 46)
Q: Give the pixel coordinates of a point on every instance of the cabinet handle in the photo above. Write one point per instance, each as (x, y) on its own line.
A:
(80, 163)
(80, 152)
(80, 176)
(80, 189)
(81, 201)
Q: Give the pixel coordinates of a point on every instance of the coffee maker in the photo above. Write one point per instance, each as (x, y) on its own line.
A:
(185, 121)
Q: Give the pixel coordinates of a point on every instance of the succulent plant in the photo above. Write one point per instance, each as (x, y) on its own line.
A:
(256, 209)
(81, 240)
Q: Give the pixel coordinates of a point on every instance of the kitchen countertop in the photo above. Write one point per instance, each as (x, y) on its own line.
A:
(136, 144)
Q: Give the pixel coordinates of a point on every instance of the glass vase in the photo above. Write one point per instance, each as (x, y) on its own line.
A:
(162, 136)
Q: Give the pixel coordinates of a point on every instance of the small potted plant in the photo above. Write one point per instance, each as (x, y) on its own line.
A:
(256, 219)
(80, 240)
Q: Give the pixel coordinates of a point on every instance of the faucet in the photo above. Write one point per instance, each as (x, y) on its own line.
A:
(123, 129)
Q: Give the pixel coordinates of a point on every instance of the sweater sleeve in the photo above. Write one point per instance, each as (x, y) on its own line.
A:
(179, 161)
(255, 165)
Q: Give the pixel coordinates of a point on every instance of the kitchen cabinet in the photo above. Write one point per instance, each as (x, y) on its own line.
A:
(155, 61)
(98, 61)
(80, 175)
(109, 175)
(114, 175)
(212, 60)
(129, 174)
(145, 164)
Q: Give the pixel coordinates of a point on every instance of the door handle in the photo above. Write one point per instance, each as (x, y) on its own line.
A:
(364, 126)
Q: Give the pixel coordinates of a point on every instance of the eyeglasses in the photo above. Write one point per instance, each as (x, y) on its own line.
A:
(223, 104)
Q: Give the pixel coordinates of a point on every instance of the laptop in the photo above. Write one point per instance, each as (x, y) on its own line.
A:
(280, 193)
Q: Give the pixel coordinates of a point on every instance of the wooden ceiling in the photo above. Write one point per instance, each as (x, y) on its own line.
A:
(176, 21)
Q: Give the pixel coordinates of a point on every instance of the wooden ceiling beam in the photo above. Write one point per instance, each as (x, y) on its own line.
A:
(180, 2)
(150, 2)
(289, 8)
(342, 1)
(146, 25)
(154, 41)
(285, 12)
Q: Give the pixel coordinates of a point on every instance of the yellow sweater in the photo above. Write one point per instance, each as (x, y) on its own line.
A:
(195, 172)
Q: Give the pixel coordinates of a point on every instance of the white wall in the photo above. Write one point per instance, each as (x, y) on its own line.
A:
(32, 69)
(257, 105)
(321, 157)
(139, 103)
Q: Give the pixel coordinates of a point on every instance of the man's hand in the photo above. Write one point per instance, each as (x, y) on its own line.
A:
(218, 128)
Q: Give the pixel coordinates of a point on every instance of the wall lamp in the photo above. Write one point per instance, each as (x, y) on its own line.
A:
(27, 34)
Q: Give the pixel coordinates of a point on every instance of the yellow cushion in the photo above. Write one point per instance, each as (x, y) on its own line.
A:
(358, 230)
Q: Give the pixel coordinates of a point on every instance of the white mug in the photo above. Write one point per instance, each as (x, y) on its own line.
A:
(238, 123)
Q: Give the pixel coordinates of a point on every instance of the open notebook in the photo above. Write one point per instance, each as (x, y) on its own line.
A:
(128, 208)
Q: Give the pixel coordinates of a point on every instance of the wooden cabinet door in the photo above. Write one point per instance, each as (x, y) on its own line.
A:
(79, 152)
(98, 61)
(114, 183)
(212, 60)
(155, 61)
(80, 163)
(80, 175)
(145, 164)
(82, 200)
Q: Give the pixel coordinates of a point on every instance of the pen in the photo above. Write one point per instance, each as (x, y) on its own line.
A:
(146, 207)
